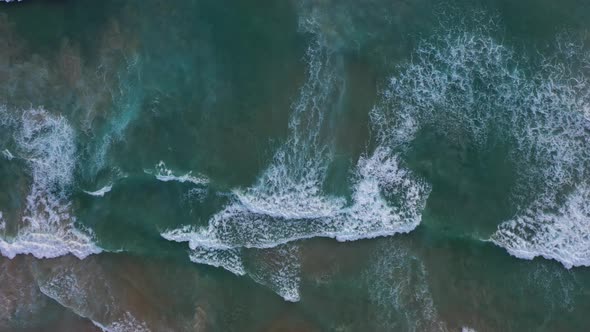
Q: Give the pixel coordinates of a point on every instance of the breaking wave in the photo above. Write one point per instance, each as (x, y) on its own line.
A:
(46, 143)
(551, 229)
(469, 87)
(287, 202)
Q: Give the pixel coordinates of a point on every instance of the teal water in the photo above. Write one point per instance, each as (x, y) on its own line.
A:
(294, 165)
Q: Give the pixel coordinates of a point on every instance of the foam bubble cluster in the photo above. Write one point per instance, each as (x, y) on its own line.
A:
(468, 86)
(47, 230)
(278, 269)
(164, 174)
(551, 229)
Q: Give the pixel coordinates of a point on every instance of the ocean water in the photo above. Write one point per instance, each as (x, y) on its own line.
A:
(297, 165)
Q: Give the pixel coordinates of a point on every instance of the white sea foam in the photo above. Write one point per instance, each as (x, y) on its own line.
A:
(228, 259)
(439, 89)
(100, 192)
(550, 229)
(126, 324)
(386, 200)
(164, 174)
(261, 219)
(47, 228)
(49, 243)
(7, 154)
(278, 269)
(287, 202)
(467, 86)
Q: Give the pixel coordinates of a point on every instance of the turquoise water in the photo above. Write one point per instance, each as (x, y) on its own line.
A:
(294, 165)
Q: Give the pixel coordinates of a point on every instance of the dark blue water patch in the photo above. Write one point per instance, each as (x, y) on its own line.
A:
(338, 176)
(471, 184)
(542, 19)
(208, 95)
(15, 183)
(69, 20)
(485, 282)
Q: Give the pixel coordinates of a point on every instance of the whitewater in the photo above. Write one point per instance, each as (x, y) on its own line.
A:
(46, 230)
(287, 203)
(438, 88)
(538, 112)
